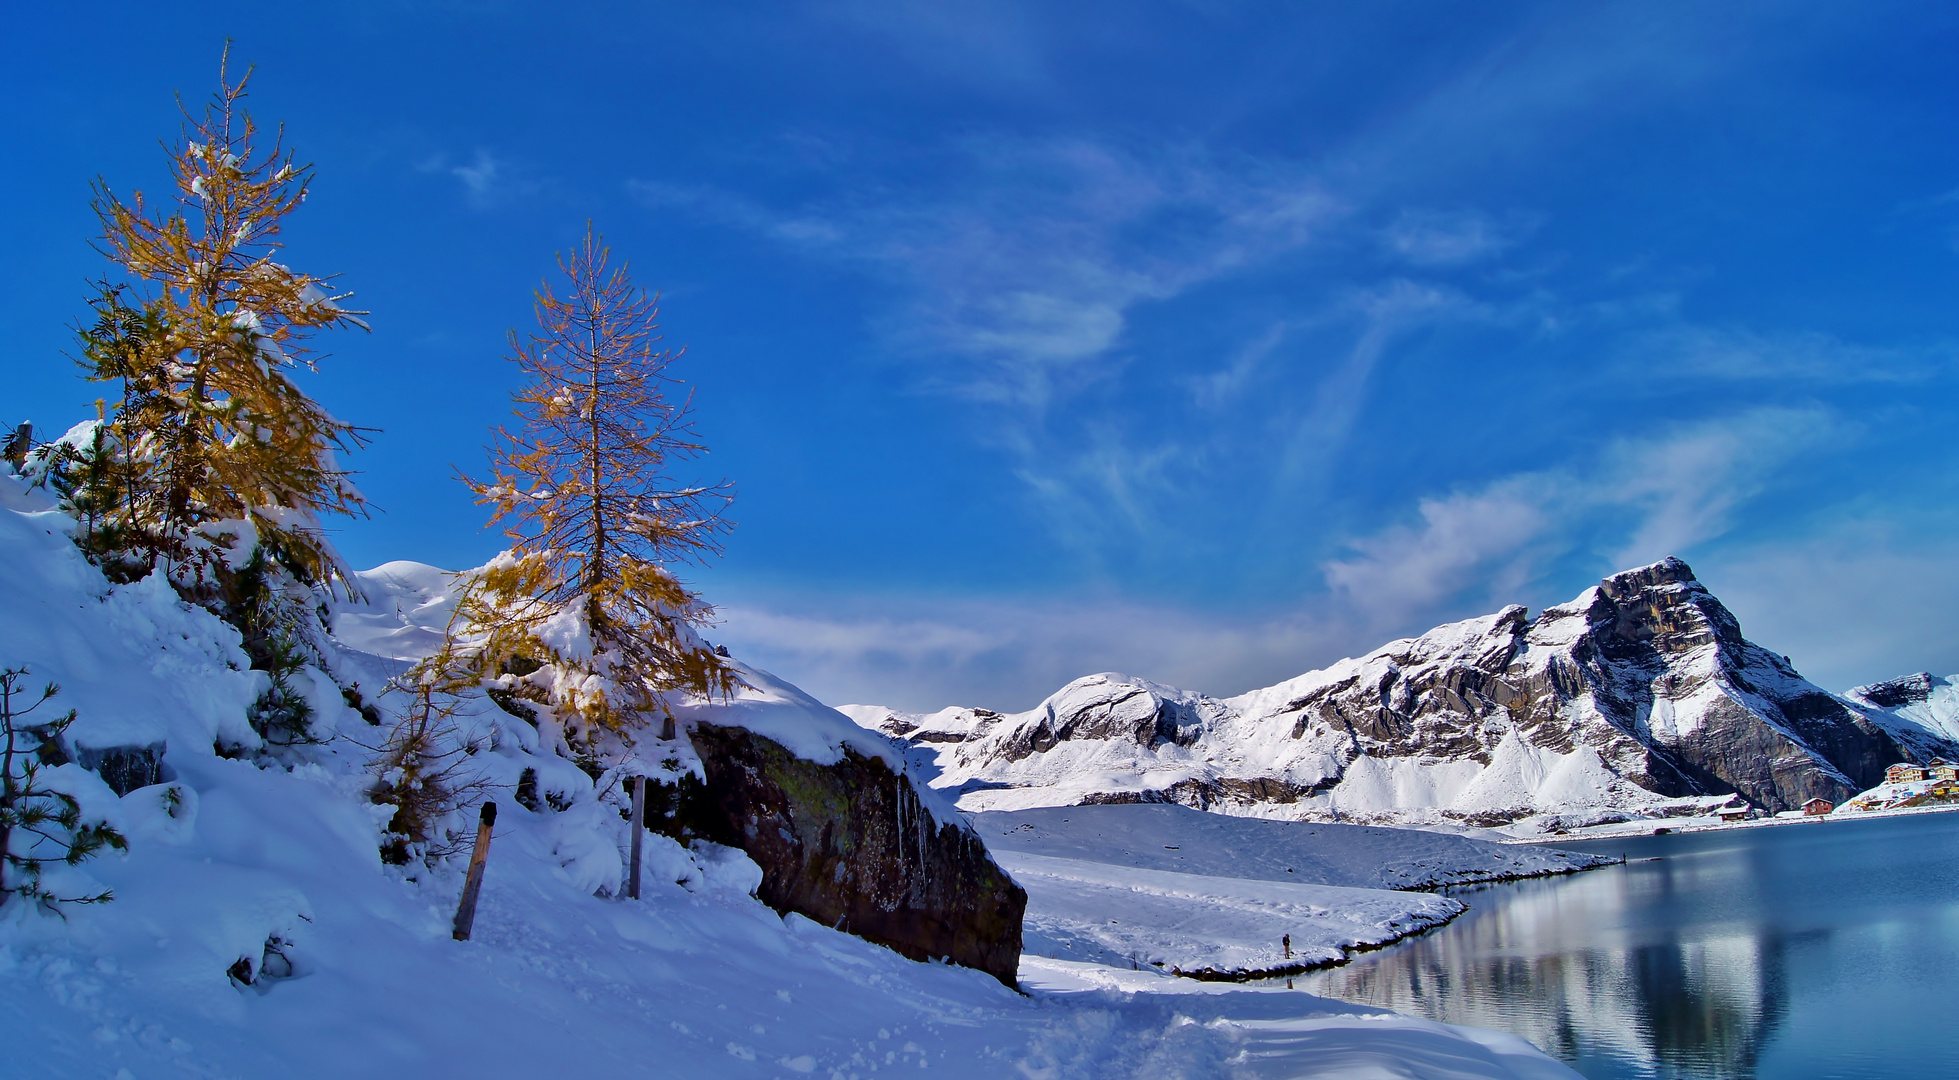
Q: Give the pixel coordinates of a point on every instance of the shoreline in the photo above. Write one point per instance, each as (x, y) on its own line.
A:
(1658, 826)
(1349, 952)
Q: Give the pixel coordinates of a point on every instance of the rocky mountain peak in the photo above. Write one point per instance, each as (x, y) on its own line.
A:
(1664, 607)
(1638, 696)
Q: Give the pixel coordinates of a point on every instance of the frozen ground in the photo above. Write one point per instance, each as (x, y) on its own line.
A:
(355, 974)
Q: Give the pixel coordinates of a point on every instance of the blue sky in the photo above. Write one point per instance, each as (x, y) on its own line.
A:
(1205, 341)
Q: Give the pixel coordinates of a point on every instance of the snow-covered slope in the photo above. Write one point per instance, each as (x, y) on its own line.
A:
(1640, 697)
(1920, 711)
(274, 861)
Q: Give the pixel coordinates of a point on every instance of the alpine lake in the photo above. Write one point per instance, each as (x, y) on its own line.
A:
(1804, 951)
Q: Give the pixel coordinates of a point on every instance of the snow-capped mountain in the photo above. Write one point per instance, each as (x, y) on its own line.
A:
(1639, 697)
(1920, 711)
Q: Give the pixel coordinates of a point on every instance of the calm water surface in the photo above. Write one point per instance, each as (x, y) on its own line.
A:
(1800, 952)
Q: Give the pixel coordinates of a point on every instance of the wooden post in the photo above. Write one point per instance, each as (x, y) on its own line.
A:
(473, 884)
(639, 826)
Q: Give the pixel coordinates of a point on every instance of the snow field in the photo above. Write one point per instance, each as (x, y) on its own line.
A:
(353, 970)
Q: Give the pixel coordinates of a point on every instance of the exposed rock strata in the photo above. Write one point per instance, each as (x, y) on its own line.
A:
(849, 845)
(1640, 696)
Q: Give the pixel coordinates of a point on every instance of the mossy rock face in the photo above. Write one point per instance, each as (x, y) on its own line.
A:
(849, 845)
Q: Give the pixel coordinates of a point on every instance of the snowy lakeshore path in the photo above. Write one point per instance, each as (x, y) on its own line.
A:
(1193, 924)
(1157, 885)
(1200, 1030)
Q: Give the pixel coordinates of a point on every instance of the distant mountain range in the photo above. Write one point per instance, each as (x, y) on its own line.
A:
(1638, 698)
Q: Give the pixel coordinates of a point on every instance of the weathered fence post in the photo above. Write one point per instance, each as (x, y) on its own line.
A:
(466, 911)
(639, 827)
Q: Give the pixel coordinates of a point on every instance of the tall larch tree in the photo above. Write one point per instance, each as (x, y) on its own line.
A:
(212, 433)
(585, 615)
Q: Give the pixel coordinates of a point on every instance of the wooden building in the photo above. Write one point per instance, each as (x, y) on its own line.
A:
(1818, 807)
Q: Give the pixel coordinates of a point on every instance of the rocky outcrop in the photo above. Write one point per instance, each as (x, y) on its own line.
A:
(1641, 696)
(850, 845)
(124, 768)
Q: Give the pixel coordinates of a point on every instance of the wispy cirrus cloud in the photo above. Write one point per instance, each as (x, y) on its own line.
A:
(1741, 354)
(1639, 500)
(1446, 238)
(1015, 275)
(488, 180)
(1008, 654)
(1463, 553)
(1867, 598)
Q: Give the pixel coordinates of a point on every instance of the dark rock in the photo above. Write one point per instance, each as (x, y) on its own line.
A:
(506, 699)
(527, 790)
(124, 768)
(849, 845)
(352, 696)
(1897, 693)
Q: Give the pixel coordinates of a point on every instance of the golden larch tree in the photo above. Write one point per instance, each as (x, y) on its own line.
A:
(584, 613)
(212, 427)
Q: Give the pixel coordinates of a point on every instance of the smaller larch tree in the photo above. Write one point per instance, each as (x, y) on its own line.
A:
(211, 431)
(584, 614)
(40, 825)
(425, 771)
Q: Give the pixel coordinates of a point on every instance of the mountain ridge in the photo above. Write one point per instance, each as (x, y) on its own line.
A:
(1640, 697)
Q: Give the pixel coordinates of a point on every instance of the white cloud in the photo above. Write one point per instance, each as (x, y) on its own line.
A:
(1465, 553)
(1386, 312)
(923, 655)
(1221, 388)
(726, 208)
(479, 176)
(1640, 501)
(1447, 238)
(1686, 488)
(487, 180)
(1871, 597)
(1741, 354)
(986, 43)
(1490, 538)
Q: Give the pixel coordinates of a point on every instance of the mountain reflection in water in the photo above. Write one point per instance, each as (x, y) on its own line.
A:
(1785, 953)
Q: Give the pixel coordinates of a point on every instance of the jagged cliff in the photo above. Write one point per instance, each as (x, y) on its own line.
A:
(851, 845)
(1641, 696)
